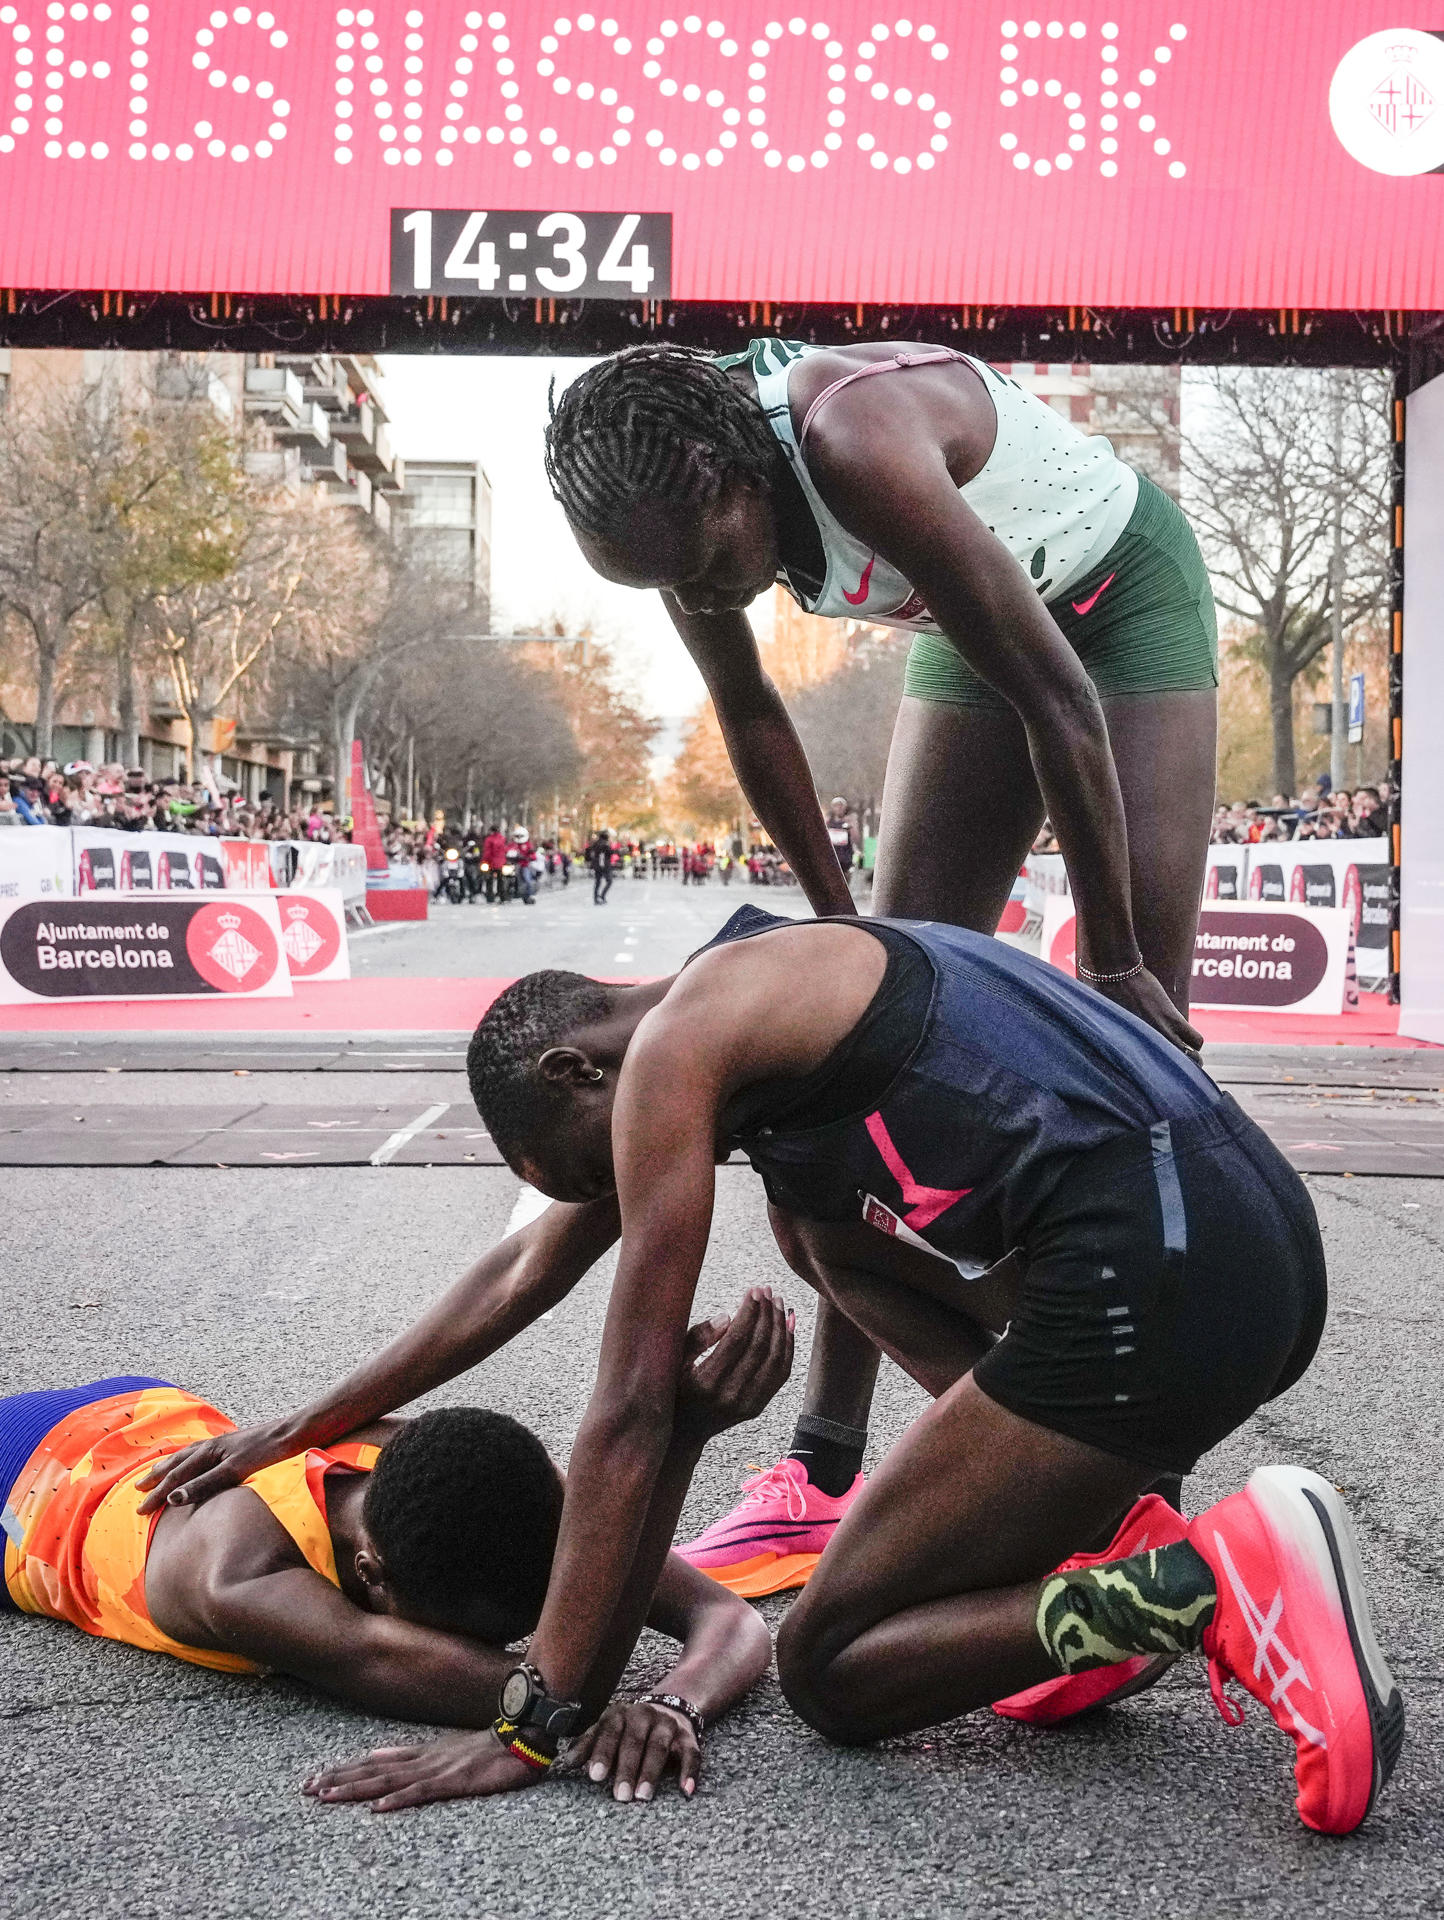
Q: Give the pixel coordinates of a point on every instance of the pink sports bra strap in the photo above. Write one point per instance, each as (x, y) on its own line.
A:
(933, 355)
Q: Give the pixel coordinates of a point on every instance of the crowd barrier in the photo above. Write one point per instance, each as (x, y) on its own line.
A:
(68, 862)
(1351, 875)
(185, 944)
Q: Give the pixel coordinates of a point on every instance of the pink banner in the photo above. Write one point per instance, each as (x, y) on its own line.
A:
(1167, 152)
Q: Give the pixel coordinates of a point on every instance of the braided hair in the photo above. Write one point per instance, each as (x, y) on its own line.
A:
(652, 424)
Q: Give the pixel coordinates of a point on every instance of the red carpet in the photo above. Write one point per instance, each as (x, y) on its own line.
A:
(455, 1006)
(324, 1006)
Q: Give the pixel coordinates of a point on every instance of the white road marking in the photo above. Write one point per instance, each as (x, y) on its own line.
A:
(390, 1148)
(528, 1206)
(365, 933)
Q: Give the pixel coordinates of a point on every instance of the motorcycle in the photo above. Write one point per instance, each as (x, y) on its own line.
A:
(453, 877)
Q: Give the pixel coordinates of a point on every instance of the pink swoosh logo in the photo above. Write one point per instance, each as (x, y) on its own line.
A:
(856, 599)
(1087, 606)
(926, 1202)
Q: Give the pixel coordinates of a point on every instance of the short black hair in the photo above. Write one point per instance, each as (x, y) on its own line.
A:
(536, 1012)
(463, 1508)
(652, 424)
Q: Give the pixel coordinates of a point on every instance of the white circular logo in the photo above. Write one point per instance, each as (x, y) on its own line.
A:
(1386, 101)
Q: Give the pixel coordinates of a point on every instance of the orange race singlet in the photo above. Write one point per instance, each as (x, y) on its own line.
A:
(76, 1546)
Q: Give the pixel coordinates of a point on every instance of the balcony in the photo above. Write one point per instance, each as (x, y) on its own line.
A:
(274, 466)
(327, 465)
(311, 431)
(392, 479)
(323, 379)
(274, 394)
(357, 429)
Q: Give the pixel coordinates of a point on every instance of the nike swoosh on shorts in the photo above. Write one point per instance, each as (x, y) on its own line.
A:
(1087, 606)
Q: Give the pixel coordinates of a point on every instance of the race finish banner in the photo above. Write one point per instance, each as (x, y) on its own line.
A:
(142, 947)
(1195, 152)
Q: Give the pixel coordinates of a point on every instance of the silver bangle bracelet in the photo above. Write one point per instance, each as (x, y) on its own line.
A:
(1107, 979)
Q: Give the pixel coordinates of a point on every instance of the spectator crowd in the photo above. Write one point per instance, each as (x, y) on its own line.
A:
(1317, 814)
(38, 793)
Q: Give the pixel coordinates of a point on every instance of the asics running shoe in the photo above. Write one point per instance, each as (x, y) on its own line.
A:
(1150, 1522)
(1291, 1626)
(775, 1536)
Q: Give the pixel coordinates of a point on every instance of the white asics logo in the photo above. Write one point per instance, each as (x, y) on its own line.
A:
(1266, 1640)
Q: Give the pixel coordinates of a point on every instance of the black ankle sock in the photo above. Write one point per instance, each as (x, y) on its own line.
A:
(1169, 1487)
(831, 1452)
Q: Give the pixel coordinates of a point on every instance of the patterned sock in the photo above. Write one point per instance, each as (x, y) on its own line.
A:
(1156, 1602)
(831, 1452)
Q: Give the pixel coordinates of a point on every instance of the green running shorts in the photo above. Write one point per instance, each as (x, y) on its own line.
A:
(1141, 621)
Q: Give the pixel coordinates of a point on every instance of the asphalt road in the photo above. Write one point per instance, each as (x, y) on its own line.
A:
(134, 1785)
(645, 927)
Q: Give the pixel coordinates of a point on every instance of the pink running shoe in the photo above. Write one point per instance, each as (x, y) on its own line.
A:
(1292, 1627)
(775, 1536)
(1150, 1522)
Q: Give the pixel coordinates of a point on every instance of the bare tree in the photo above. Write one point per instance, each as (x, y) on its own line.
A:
(846, 722)
(74, 472)
(287, 573)
(483, 727)
(1269, 458)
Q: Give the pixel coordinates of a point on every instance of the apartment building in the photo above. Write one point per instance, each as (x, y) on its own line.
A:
(312, 421)
(446, 511)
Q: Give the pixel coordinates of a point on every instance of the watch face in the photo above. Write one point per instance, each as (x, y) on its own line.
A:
(515, 1695)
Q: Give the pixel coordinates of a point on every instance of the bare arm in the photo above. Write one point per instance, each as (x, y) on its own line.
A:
(298, 1623)
(509, 1287)
(765, 751)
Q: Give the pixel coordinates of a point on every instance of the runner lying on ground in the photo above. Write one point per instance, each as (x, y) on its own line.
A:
(1048, 1215)
(391, 1569)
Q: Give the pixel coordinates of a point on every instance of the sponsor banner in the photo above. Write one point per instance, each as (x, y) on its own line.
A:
(324, 864)
(248, 865)
(1043, 874)
(1351, 874)
(1286, 959)
(1226, 876)
(35, 863)
(156, 946)
(110, 861)
(313, 933)
(1366, 901)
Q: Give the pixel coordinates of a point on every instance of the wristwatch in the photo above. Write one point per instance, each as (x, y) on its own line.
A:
(533, 1723)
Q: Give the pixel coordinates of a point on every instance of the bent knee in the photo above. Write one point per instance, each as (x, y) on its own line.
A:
(808, 1672)
(793, 1244)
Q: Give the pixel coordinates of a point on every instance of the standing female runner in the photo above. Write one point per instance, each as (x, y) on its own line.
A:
(1065, 663)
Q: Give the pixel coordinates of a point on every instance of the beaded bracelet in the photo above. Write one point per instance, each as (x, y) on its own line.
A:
(510, 1737)
(1107, 979)
(678, 1705)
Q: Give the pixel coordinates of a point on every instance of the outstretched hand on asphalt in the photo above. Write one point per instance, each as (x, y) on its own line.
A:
(731, 1369)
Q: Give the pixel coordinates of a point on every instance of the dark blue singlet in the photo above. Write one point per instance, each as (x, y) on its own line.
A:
(1013, 1070)
(1171, 1276)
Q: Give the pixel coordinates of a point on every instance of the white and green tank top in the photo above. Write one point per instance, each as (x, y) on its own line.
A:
(1057, 498)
